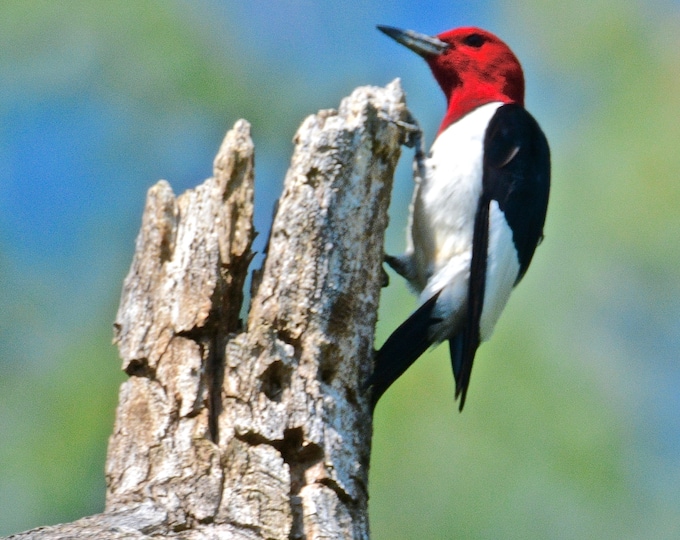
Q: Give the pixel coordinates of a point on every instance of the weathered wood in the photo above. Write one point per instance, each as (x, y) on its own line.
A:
(225, 431)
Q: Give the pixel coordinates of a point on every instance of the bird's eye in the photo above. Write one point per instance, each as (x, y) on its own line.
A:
(474, 40)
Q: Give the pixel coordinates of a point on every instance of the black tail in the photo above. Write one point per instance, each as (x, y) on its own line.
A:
(464, 346)
(402, 348)
(459, 363)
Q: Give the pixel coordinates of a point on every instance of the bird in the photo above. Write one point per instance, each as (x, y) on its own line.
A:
(478, 208)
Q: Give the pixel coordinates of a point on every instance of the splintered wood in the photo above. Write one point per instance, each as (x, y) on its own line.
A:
(255, 430)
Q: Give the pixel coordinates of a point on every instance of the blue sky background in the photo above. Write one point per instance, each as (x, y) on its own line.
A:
(573, 418)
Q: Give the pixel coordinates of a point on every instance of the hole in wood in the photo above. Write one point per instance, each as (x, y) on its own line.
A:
(275, 379)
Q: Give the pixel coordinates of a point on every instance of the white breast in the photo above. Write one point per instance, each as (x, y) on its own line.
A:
(445, 202)
(442, 224)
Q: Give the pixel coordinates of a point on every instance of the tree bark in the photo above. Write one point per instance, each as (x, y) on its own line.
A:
(258, 431)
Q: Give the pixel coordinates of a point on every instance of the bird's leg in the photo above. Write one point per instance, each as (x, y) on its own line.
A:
(413, 135)
(419, 157)
(413, 138)
(401, 265)
(384, 278)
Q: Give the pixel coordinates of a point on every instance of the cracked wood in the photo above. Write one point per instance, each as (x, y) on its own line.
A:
(255, 429)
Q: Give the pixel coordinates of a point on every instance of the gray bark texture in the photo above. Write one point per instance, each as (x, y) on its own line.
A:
(256, 430)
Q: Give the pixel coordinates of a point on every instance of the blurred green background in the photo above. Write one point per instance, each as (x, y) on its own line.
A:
(572, 424)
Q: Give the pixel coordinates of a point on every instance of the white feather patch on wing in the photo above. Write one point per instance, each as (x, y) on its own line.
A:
(501, 271)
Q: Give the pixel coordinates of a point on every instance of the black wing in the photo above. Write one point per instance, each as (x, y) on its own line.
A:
(516, 174)
(464, 346)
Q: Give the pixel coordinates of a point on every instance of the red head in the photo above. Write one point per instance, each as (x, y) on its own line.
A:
(472, 66)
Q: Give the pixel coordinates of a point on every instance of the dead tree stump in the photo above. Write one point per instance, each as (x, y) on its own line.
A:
(255, 430)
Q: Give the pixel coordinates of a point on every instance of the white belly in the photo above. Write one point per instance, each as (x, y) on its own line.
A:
(444, 206)
(442, 225)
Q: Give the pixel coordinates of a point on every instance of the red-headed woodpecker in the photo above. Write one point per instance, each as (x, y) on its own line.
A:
(479, 204)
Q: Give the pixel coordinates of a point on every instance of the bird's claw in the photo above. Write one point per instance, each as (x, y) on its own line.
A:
(413, 135)
(384, 278)
(401, 265)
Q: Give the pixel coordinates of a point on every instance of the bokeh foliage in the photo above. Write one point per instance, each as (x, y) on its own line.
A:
(571, 429)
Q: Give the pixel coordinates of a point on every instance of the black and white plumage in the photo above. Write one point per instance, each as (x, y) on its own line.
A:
(477, 216)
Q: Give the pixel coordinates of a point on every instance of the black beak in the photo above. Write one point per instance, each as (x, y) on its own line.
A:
(420, 44)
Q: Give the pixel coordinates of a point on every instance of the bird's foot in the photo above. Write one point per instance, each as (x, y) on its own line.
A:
(413, 135)
(401, 265)
(384, 278)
